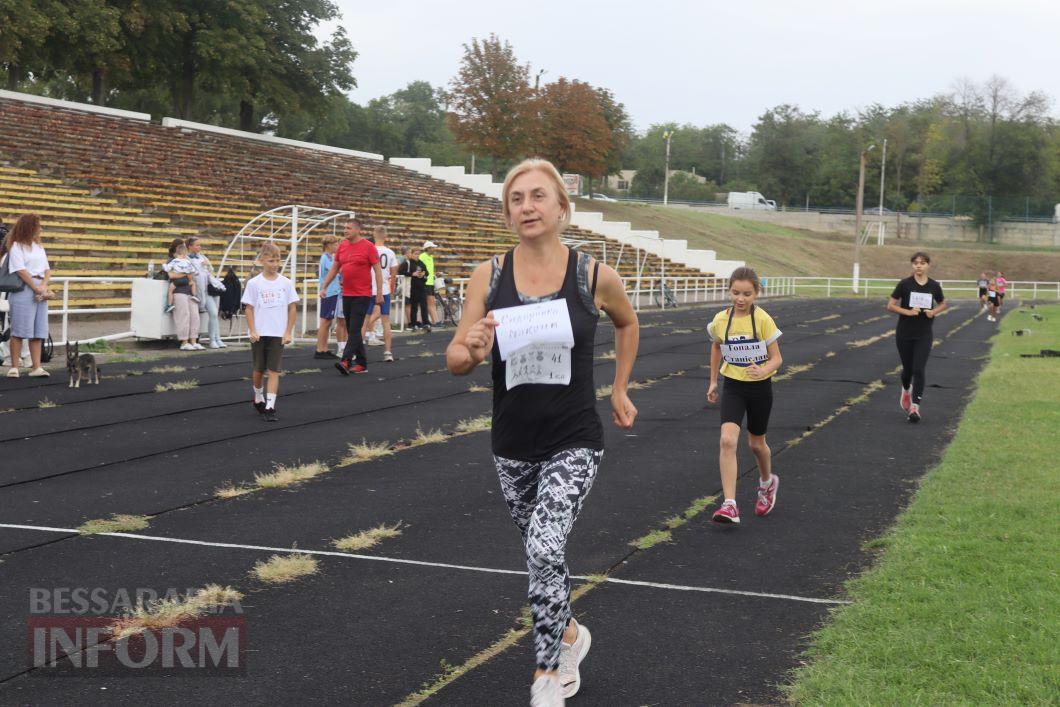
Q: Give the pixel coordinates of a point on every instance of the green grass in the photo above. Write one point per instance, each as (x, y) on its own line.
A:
(101, 346)
(963, 606)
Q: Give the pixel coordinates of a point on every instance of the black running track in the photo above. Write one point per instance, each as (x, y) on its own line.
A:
(370, 632)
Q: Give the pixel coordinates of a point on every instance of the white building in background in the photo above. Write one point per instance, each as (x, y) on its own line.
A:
(623, 181)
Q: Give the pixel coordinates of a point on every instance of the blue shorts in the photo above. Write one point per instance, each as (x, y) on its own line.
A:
(384, 308)
(327, 307)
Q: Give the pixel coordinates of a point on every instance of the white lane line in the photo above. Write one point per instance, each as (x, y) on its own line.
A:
(421, 563)
(715, 590)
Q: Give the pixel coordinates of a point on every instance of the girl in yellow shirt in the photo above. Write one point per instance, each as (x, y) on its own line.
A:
(744, 349)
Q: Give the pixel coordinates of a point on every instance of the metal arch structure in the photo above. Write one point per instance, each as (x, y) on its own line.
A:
(291, 224)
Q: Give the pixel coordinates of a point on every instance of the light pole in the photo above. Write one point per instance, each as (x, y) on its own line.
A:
(859, 204)
(666, 173)
(883, 173)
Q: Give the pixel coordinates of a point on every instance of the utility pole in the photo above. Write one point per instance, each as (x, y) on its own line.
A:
(666, 173)
(883, 173)
(860, 202)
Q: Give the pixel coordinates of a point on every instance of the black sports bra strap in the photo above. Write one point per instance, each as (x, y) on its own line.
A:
(596, 272)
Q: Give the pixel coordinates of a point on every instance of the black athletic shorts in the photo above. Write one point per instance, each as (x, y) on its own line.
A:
(1000, 298)
(754, 399)
(268, 354)
(982, 292)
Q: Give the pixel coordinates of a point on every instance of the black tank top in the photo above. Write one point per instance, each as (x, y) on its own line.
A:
(533, 422)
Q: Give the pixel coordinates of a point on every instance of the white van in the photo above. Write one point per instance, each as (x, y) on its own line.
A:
(750, 200)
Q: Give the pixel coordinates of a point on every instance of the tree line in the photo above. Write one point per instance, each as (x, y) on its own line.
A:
(257, 65)
(989, 143)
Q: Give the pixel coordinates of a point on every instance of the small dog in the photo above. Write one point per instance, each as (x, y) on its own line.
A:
(79, 366)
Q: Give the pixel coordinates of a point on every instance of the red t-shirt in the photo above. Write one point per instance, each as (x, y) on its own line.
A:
(355, 263)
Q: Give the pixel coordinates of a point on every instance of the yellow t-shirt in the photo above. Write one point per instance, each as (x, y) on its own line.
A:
(742, 347)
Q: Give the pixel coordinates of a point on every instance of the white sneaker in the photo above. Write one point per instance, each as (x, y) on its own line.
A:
(570, 656)
(222, 345)
(214, 345)
(13, 372)
(186, 347)
(197, 346)
(545, 692)
(388, 357)
(374, 341)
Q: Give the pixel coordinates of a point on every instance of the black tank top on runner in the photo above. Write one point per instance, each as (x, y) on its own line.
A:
(533, 422)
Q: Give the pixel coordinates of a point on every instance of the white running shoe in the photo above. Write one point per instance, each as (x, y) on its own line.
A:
(570, 656)
(545, 692)
(214, 345)
(197, 346)
(186, 347)
(388, 357)
(374, 341)
(222, 345)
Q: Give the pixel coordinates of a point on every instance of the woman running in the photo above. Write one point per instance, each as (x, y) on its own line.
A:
(547, 436)
(917, 300)
(745, 351)
(993, 300)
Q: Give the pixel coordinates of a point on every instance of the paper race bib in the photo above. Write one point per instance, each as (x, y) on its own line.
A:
(744, 353)
(991, 295)
(920, 299)
(546, 363)
(541, 323)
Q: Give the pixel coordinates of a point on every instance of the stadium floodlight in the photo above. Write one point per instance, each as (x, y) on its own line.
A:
(666, 172)
(859, 203)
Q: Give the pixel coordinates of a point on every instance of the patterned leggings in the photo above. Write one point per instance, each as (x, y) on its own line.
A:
(544, 498)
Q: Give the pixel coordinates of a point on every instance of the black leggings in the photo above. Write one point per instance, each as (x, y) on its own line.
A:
(418, 309)
(914, 354)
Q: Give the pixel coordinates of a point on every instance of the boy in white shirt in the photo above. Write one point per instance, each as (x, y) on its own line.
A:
(270, 304)
(389, 265)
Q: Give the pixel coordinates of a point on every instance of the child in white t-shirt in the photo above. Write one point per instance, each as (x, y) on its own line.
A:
(269, 300)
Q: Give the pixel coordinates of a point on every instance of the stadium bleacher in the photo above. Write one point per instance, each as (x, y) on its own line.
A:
(113, 191)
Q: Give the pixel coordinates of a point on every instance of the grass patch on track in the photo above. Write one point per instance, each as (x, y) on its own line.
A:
(365, 451)
(168, 612)
(475, 424)
(167, 369)
(189, 384)
(117, 523)
(279, 569)
(478, 389)
(46, 404)
(283, 475)
(368, 538)
(962, 607)
(431, 436)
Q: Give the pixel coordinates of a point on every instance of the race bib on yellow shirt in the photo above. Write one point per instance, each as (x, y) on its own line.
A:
(744, 353)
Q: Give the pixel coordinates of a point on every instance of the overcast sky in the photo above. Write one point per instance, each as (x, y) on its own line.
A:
(711, 62)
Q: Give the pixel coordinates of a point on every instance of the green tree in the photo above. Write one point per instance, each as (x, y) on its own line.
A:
(492, 103)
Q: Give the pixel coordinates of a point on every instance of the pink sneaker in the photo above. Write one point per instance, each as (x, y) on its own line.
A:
(914, 413)
(906, 400)
(767, 496)
(728, 513)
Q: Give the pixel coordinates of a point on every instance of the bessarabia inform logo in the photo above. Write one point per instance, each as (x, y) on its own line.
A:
(90, 630)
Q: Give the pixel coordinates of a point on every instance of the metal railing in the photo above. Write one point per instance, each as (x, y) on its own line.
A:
(875, 286)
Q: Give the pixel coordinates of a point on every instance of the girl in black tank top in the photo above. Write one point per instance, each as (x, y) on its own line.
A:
(547, 437)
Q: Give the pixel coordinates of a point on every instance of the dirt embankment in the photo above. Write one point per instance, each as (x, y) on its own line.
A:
(777, 250)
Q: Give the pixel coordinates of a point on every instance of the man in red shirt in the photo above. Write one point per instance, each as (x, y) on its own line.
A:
(358, 261)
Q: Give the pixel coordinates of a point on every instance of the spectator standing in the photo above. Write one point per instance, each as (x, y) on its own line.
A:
(185, 303)
(270, 302)
(330, 300)
(418, 292)
(29, 307)
(388, 264)
(209, 305)
(427, 258)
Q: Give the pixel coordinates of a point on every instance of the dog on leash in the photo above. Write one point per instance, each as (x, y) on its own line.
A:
(81, 366)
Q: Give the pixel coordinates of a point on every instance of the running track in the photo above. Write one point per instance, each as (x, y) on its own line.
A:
(713, 616)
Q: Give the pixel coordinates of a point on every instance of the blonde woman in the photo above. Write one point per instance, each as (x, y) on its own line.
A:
(29, 307)
(547, 437)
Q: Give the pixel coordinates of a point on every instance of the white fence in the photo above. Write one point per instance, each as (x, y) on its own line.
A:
(644, 292)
